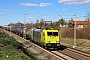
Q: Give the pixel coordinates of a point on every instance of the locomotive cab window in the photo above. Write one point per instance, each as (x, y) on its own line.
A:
(52, 33)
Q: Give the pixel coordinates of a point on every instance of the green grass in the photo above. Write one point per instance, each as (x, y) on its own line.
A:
(10, 53)
(10, 49)
(81, 44)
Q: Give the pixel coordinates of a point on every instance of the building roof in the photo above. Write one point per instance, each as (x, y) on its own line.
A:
(82, 22)
(5, 26)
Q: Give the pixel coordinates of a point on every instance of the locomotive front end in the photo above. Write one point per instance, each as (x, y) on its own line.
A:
(52, 39)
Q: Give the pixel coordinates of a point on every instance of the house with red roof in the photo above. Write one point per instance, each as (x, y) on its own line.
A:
(81, 23)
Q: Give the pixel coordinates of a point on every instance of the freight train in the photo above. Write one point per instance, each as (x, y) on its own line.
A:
(48, 38)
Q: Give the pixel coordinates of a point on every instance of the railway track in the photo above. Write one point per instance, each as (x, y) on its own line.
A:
(76, 54)
(66, 54)
(66, 57)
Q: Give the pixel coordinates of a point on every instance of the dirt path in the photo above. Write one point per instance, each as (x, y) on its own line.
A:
(1, 30)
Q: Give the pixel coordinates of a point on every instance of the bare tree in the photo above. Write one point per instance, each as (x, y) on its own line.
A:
(41, 22)
(88, 16)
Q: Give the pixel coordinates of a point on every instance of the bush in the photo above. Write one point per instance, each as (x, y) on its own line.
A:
(83, 33)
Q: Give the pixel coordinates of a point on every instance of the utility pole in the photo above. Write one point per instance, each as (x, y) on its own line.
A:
(88, 18)
(10, 25)
(24, 34)
(20, 25)
(74, 31)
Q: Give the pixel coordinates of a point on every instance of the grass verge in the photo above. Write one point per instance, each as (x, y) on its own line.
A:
(10, 49)
(81, 44)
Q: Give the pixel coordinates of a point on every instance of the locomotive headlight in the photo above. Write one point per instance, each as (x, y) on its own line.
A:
(57, 41)
(49, 41)
(58, 44)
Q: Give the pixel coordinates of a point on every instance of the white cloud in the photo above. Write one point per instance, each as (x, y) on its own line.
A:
(28, 4)
(43, 12)
(2, 13)
(45, 4)
(32, 11)
(7, 10)
(64, 9)
(76, 2)
(33, 5)
(16, 10)
(31, 17)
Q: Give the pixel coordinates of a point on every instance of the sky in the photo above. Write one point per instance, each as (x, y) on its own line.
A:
(50, 10)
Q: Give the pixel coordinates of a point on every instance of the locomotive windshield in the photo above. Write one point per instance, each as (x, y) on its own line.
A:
(52, 33)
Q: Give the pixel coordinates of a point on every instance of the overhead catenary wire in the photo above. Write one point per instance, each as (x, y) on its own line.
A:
(67, 16)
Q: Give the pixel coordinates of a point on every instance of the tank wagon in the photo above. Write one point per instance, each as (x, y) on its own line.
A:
(47, 38)
(17, 30)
